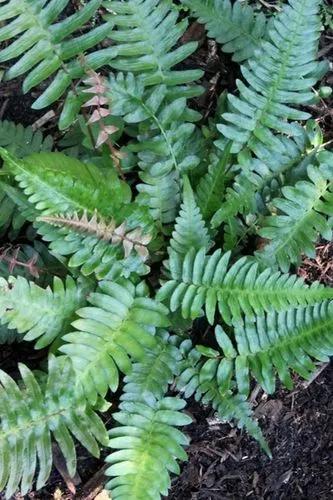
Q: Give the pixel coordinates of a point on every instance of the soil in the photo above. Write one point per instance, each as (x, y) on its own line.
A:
(223, 462)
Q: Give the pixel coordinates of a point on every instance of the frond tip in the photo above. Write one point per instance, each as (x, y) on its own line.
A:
(130, 240)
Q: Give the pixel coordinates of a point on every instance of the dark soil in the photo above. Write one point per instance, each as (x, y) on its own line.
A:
(225, 464)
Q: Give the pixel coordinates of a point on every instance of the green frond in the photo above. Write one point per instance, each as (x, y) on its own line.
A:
(190, 230)
(279, 76)
(155, 372)
(145, 35)
(304, 214)
(44, 46)
(200, 280)
(259, 178)
(270, 346)
(236, 26)
(211, 186)
(23, 141)
(116, 327)
(54, 184)
(40, 314)
(20, 141)
(210, 382)
(148, 446)
(165, 131)
(32, 414)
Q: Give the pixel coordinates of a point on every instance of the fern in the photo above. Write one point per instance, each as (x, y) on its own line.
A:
(147, 441)
(236, 26)
(166, 128)
(207, 280)
(212, 185)
(185, 195)
(54, 183)
(271, 345)
(147, 31)
(31, 415)
(23, 141)
(209, 381)
(306, 208)
(259, 178)
(20, 141)
(148, 449)
(40, 314)
(45, 47)
(190, 231)
(117, 326)
(279, 76)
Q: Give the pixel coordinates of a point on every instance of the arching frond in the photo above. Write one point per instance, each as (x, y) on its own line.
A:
(270, 346)
(34, 413)
(116, 327)
(40, 314)
(279, 76)
(190, 231)
(201, 280)
(43, 46)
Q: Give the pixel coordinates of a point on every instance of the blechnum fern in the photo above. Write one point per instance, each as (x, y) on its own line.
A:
(159, 235)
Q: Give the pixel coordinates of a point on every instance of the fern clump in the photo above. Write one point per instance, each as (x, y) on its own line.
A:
(144, 222)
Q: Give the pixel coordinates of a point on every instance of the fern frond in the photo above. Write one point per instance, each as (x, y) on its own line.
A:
(23, 141)
(259, 178)
(143, 463)
(53, 184)
(303, 215)
(33, 414)
(145, 36)
(118, 325)
(211, 186)
(40, 314)
(130, 240)
(164, 134)
(190, 231)
(236, 26)
(149, 445)
(210, 382)
(44, 47)
(155, 372)
(279, 76)
(200, 280)
(270, 346)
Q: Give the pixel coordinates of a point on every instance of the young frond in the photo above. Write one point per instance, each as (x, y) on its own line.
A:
(116, 327)
(200, 280)
(212, 185)
(304, 213)
(190, 230)
(279, 76)
(44, 46)
(270, 346)
(34, 413)
(236, 26)
(40, 314)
